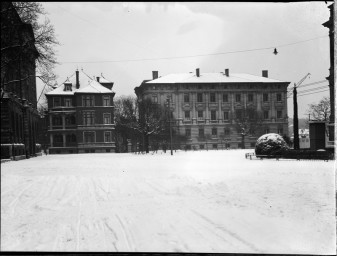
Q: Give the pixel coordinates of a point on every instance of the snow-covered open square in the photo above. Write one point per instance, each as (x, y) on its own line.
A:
(211, 201)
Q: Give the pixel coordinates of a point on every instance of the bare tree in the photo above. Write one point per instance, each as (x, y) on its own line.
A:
(44, 33)
(320, 111)
(153, 119)
(248, 122)
(125, 120)
(16, 48)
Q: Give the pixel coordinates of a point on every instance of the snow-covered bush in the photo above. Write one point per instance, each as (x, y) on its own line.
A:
(271, 144)
(38, 148)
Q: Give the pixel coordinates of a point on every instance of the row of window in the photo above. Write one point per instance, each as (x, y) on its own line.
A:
(215, 146)
(88, 119)
(88, 137)
(225, 97)
(214, 132)
(87, 101)
(238, 114)
(213, 87)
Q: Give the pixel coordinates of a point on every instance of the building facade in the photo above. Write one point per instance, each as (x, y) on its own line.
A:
(81, 116)
(330, 24)
(19, 116)
(206, 107)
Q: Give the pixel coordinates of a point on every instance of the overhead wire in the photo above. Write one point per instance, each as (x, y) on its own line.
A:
(178, 57)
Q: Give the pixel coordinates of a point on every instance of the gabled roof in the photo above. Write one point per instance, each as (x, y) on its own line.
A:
(102, 80)
(93, 87)
(87, 85)
(212, 78)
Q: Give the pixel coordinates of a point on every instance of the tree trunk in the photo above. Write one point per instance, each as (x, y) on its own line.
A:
(147, 143)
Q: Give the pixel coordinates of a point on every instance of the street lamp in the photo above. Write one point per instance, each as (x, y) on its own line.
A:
(169, 108)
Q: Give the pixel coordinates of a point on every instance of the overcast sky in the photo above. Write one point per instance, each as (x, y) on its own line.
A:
(127, 41)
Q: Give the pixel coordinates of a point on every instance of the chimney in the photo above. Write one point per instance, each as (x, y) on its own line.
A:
(97, 78)
(154, 75)
(227, 72)
(198, 72)
(77, 80)
(265, 73)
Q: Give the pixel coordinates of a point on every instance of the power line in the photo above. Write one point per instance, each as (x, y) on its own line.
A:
(312, 89)
(313, 83)
(312, 93)
(190, 56)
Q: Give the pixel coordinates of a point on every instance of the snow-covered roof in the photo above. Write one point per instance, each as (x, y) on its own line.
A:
(93, 87)
(87, 85)
(103, 80)
(213, 78)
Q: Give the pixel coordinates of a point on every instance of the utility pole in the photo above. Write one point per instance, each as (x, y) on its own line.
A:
(296, 139)
(169, 108)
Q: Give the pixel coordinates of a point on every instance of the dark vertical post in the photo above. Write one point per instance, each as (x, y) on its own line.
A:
(296, 139)
(169, 108)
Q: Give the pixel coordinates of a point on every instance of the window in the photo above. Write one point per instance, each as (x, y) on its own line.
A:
(88, 100)
(155, 99)
(266, 114)
(57, 102)
(186, 97)
(200, 114)
(250, 97)
(188, 132)
(67, 102)
(89, 137)
(199, 97)
(252, 144)
(265, 97)
(280, 131)
(107, 118)
(199, 86)
(266, 130)
(88, 117)
(227, 131)
(187, 115)
(215, 146)
(214, 132)
(212, 97)
(201, 146)
(213, 115)
(201, 132)
(106, 100)
(279, 114)
(225, 115)
(238, 97)
(238, 114)
(57, 120)
(225, 97)
(278, 97)
(212, 87)
(67, 87)
(107, 136)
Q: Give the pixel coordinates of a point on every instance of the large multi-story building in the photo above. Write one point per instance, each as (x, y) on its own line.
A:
(206, 107)
(81, 116)
(19, 116)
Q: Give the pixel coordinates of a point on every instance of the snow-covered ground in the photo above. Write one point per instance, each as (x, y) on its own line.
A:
(211, 201)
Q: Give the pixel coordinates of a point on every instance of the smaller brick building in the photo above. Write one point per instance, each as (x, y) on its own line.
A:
(81, 116)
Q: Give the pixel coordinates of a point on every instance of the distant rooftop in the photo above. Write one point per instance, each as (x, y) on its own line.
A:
(87, 85)
(213, 78)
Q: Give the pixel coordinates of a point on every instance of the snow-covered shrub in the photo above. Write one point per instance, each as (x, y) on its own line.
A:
(38, 148)
(271, 144)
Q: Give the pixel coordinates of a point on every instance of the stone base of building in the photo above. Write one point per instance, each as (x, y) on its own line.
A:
(80, 151)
